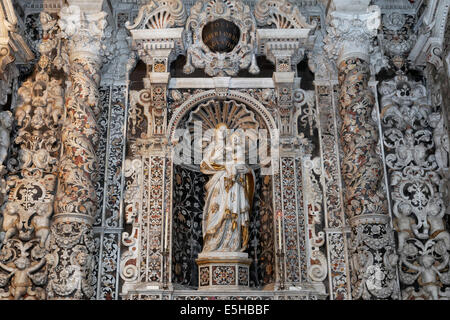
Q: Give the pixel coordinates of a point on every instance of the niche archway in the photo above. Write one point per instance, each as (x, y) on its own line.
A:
(239, 111)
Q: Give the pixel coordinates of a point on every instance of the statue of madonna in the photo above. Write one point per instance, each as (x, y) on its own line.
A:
(229, 193)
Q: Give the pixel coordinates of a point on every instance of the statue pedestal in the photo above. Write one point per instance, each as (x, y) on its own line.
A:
(223, 271)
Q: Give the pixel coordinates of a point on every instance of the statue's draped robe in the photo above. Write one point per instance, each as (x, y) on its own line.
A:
(228, 203)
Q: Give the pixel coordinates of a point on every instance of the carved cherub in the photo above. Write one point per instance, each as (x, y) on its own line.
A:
(47, 21)
(55, 101)
(429, 273)
(403, 223)
(5, 128)
(440, 137)
(41, 222)
(21, 281)
(24, 108)
(437, 224)
(10, 220)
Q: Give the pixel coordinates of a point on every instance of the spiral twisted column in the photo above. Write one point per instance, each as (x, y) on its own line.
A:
(373, 260)
(72, 243)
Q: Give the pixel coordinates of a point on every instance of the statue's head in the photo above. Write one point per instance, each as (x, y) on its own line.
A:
(427, 260)
(22, 263)
(221, 131)
(82, 258)
(6, 119)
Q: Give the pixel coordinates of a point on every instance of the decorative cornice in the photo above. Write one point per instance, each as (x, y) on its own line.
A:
(429, 45)
(157, 43)
(12, 45)
(276, 43)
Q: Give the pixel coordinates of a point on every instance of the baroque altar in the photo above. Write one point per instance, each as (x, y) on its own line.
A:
(224, 149)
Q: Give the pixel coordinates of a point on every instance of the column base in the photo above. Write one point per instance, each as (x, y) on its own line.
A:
(223, 271)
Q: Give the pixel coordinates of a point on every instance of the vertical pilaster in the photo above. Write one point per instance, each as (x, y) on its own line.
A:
(287, 220)
(336, 225)
(156, 48)
(158, 270)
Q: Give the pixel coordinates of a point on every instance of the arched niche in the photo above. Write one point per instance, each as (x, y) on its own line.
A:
(210, 107)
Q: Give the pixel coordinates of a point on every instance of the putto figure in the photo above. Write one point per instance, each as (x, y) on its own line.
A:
(229, 193)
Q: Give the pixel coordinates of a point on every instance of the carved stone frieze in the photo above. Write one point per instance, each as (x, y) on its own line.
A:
(351, 188)
(32, 179)
(417, 158)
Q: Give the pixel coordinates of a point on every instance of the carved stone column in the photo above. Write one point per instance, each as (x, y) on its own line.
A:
(352, 27)
(82, 24)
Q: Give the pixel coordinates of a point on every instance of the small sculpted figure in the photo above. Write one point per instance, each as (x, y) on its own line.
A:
(21, 275)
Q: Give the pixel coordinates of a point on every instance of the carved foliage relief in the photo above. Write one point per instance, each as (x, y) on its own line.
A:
(73, 245)
(32, 180)
(109, 190)
(416, 142)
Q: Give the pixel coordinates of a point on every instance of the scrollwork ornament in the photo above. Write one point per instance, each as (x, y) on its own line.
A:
(317, 267)
(71, 262)
(32, 180)
(281, 13)
(417, 159)
(242, 56)
(159, 14)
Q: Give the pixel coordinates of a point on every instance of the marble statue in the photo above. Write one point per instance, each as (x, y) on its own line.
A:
(229, 193)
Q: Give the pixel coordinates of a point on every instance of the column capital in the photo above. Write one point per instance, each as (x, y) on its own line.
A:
(84, 29)
(87, 6)
(351, 30)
